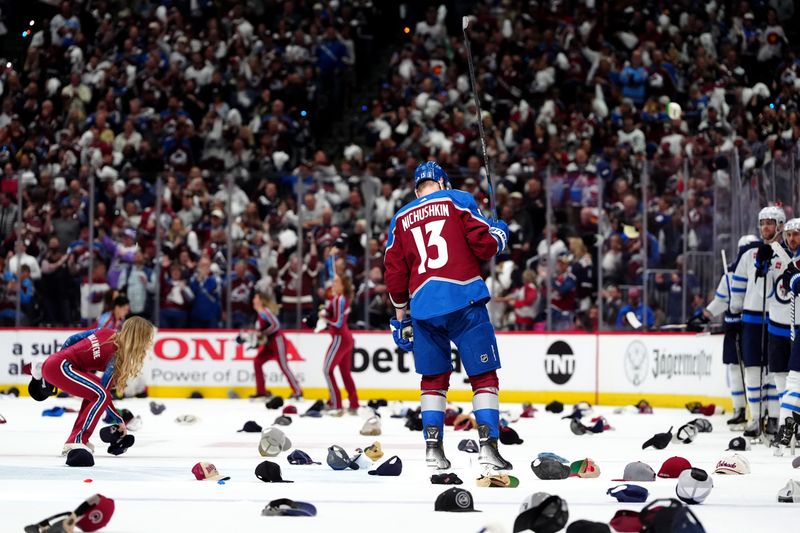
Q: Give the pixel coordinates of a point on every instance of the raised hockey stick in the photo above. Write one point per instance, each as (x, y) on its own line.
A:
(486, 162)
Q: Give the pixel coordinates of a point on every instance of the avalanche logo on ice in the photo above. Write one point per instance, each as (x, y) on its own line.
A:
(636, 362)
(559, 362)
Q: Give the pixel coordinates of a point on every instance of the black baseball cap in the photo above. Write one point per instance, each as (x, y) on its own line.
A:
(250, 427)
(80, 457)
(40, 390)
(702, 425)
(740, 444)
(287, 507)
(659, 440)
(455, 500)
(274, 403)
(447, 478)
(468, 445)
(509, 436)
(299, 457)
(542, 513)
(391, 467)
(270, 472)
(110, 434)
(587, 526)
(549, 469)
(555, 407)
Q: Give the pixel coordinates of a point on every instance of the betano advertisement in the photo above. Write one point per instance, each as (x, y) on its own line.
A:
(613, 369)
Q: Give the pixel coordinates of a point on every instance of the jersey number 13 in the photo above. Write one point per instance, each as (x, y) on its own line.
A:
(435, 239)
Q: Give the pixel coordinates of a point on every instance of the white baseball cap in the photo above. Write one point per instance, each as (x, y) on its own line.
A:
(733, 464)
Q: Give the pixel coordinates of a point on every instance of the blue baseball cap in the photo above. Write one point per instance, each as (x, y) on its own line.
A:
(287, 507)
(391, 467)
(554, 457)
(299, 457)
(628, 493)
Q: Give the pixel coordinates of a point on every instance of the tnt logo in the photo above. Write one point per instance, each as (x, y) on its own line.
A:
(559, 362)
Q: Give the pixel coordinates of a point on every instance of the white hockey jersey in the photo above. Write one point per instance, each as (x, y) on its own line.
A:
(779, 303)
(747, 290)
(721, 302)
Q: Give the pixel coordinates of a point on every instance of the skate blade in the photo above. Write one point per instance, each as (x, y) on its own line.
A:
(737, 427)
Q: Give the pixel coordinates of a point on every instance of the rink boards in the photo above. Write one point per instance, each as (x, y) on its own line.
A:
(667, 370)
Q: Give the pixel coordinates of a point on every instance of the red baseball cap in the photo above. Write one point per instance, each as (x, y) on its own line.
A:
(290, 410)
(626, 521)
(673, 467)
(203, 471)
(95, 513)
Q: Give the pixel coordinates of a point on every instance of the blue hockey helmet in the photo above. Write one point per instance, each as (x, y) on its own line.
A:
(431, 171)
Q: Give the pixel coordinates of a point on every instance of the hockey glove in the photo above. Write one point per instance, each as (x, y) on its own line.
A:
(697, 322)
(763, 257)
(794, 284)
(403, 333)
(499, 230)
(786, 277)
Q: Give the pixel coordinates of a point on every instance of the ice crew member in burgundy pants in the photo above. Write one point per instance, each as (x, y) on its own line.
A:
(273, 348)
(340, 352)
(118, 354)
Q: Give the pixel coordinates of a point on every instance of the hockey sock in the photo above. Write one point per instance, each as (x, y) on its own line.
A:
(780, 387)
(485, 402)
(434, 401)
(736, 386)
(791, 398)
(772, 395)
(752, 382)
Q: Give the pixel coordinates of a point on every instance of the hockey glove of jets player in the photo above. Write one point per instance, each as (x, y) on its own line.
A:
(763, 257)
(499, 230)
(403, 333)
(697, 322)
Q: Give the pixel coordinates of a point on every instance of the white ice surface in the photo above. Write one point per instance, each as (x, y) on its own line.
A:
(155, 490)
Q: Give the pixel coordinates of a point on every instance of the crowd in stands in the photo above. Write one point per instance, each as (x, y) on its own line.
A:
(198, 122)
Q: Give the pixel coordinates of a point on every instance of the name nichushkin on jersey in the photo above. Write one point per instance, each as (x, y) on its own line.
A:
(439, 209)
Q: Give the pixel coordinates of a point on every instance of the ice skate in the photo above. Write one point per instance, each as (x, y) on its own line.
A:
(434, 451)
(489, 456)
(738, 421)
(772, 426)
(753, 431)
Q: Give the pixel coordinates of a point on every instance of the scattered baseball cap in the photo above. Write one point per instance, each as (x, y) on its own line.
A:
(628, 493)
(549, 469)
(186, 420)
(338, 458)
(587, 526)
(553, 456)
(273, 442)
(371, 427)
(528, 411)
(203, 471)
(110, 434)
(659, 440)
(739, 444)
(585, 468)
(40, 390)
(54, 412)
(270, 472)
(644, 407)
(796, 462)
(694, 486)
(445, 479)
(790, 493)
(391, 467)
(94, 513)
(374, 451)
(283, 420)
(637, 471)
(542, 513)
(626, 521)
(287, 507)
(686, 433)
(468, 445)
(508, 436)
(733, 464)
(555, 407)
(455, 500)
(497, 480)
(673, 467)
(274, 403)
(670, 515)
(360, 461)
(299, 457)
(290, 410)
(250, 427)
(315, 407)
(80, 457)
(702, 425)
(577, 427)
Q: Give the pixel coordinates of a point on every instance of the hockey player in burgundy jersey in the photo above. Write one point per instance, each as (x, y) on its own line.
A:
(274, 347)
(118, 354)
(433, 265)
